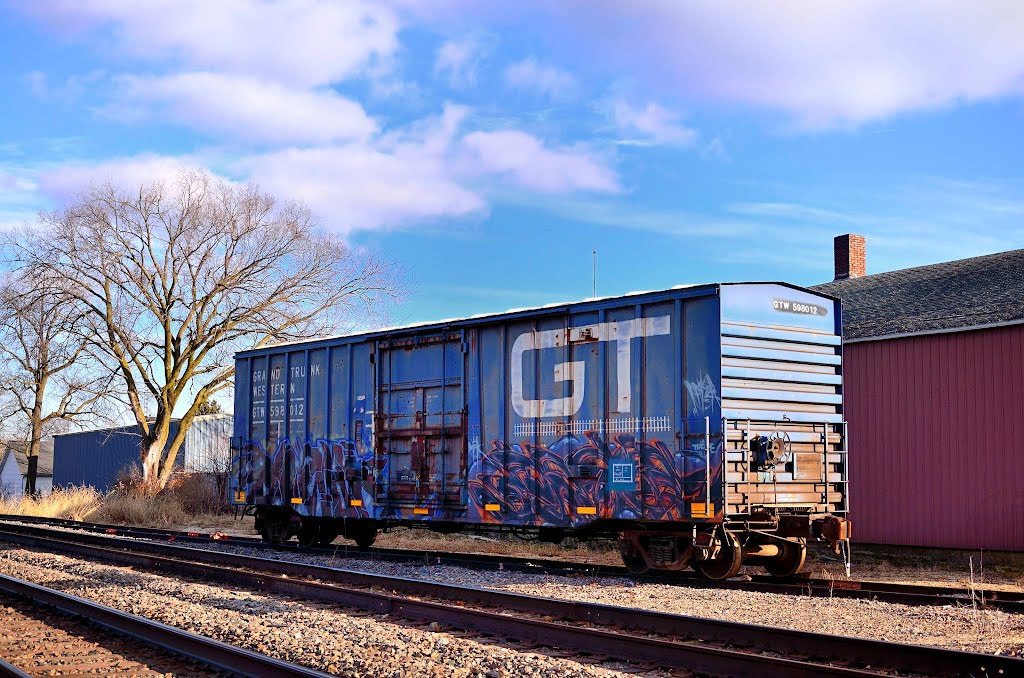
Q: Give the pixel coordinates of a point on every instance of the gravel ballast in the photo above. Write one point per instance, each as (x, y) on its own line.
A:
(340, 642)
(961, 627)
(955, 627)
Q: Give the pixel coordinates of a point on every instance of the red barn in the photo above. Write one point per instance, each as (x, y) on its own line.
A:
(934, 397)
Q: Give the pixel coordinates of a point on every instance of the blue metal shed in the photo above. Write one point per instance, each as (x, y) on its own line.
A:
(95, 458)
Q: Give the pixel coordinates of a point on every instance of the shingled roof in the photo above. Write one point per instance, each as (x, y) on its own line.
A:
(18, 447)
(956, 294)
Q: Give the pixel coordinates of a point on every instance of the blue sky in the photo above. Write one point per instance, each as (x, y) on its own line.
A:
(488, 147)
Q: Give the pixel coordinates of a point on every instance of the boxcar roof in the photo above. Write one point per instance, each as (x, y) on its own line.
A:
(973, 292)
(591, 303)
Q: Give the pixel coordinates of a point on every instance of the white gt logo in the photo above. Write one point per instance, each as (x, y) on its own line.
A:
(620, 332)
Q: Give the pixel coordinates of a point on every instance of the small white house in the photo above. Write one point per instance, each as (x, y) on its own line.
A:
(14, 468)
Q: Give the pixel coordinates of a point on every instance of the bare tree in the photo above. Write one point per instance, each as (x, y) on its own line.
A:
(176, 276)
(48, 374)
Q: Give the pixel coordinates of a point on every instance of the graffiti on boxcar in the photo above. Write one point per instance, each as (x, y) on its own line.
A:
(703, 395)
(328, 474)
(535, 483)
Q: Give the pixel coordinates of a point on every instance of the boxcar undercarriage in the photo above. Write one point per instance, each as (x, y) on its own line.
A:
(715, 551)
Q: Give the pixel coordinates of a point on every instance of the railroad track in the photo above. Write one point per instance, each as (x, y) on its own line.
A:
(42, 641)
(668, 641)
(910, 594)
(50, 633)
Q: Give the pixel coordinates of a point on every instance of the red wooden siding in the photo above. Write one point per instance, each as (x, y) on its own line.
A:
(936, 439)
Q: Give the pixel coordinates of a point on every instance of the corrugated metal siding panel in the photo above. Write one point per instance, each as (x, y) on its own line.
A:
(936, 458)
(795, 378)
(207, 443)
(95, 458)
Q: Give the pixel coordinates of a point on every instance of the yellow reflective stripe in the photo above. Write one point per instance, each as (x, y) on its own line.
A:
(296, 500)
(701, 509)
(356, 502)
(420, 511)
(586, 510)
(492, 507)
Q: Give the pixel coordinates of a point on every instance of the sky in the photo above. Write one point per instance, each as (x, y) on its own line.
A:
(490, 147)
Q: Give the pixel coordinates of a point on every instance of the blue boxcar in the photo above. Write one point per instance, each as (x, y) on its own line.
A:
(701, 425)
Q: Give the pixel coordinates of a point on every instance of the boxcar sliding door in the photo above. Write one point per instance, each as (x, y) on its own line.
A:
(420, 423)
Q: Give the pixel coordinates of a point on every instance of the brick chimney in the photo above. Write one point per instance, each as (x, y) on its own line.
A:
(851, 256)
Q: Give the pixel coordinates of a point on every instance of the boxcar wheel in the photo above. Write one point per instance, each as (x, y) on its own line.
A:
(365, 538)
(277, 527)
(726, 565)
(633, 558)
(362, 534)
(309, 533)
(789, 561)
(327, 537)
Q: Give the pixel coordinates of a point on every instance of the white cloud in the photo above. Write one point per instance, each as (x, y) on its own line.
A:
(300, 42)
(715, 150)
(19, 198)
(458, 61)
(667, 222)
(425, 171)
(826, 64)
(244, 108)
(822, 64)
(404, 177)
(37, 83)
(66, 181)
(12, 184)
(530, 164)
(355, 187)
(68, 91)
(651, 125)
(547, 80)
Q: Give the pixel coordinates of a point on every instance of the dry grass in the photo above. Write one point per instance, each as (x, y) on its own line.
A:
(994, 570)
(194, 503)
(188, 498)
(586, 552)
(197, 494)
(76, 503)
(159, 511)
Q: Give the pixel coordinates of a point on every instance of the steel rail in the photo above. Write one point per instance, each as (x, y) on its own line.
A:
(213, 653)
(823, 648)
(909, 594)
(11, 671)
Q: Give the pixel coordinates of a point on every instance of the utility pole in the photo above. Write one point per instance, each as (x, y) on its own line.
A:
(595, 271)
